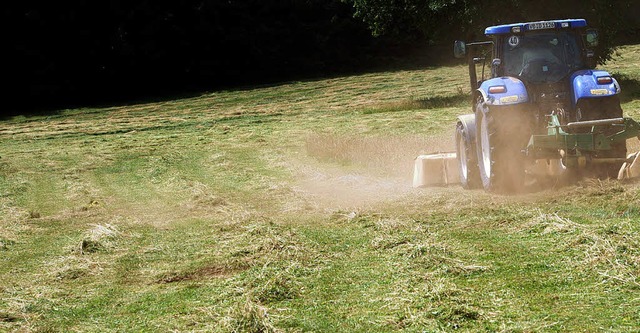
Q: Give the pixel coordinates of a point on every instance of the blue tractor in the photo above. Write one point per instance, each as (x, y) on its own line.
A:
(542, 101)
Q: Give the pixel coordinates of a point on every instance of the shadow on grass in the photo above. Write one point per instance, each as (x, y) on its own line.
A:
(56, 99)
(630, 87)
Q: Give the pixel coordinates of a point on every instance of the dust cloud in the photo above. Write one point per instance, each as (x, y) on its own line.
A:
(349, 172)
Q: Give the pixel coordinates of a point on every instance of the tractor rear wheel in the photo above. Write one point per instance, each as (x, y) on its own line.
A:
(499, 147)
(604, 108)
(467, 158)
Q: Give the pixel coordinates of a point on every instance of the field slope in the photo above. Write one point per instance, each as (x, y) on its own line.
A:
(289, 208)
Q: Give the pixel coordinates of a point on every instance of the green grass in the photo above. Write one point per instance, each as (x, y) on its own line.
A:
(289, 208)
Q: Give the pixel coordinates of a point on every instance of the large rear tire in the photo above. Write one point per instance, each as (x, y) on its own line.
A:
(467, 158)
(499, 147)
(604, 108)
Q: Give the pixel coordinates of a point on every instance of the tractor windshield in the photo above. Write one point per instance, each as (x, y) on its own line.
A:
(541, 57)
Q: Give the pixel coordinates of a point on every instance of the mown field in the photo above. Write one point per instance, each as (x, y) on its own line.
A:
(290, 209)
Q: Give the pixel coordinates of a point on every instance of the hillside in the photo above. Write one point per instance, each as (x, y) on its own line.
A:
(289, 208)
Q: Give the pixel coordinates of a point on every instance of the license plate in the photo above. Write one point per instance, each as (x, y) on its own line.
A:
(509, 99)
(541, 25)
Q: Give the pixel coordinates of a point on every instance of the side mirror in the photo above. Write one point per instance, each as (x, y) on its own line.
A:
(592, 37)
(495, 66)
(459, 49)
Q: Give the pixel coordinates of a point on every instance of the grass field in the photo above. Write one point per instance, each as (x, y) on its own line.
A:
(290, 208)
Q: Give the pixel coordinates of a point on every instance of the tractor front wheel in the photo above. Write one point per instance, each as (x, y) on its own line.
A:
(467, 158)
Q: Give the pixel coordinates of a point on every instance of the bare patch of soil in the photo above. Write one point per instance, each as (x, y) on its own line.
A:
(8, 318)
(212, 271)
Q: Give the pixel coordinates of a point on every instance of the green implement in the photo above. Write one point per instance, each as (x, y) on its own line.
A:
(576, 146)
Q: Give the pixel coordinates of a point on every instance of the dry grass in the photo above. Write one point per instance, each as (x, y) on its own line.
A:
(612, 252)
(250, 317)
(551, 223)
(99, 238)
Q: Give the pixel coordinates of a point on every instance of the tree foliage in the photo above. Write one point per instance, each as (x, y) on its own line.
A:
(77, 51)
(440, 21)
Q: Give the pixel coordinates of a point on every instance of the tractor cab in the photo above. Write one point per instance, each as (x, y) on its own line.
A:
(537, 52)
(543, 52)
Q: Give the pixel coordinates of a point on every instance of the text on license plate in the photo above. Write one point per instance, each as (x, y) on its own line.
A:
(541, 25)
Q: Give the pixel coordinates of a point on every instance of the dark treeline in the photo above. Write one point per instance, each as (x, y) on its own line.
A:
(83, 52)
(75, 53)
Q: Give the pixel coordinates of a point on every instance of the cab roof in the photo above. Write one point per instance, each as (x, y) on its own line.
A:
(540, 25)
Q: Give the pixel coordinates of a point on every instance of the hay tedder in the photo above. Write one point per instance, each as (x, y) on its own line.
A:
(543, 112)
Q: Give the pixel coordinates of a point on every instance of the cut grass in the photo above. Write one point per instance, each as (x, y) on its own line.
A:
(288, 208)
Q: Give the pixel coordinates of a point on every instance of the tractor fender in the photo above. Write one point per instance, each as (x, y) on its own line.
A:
(468, 122)
(585, 85)
(514, 93)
